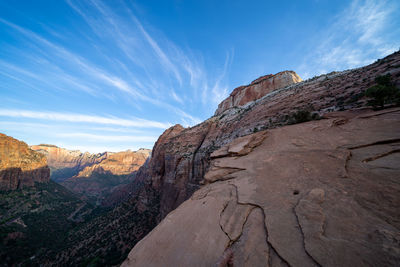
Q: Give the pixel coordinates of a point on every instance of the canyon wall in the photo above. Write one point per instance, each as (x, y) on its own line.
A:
(66, 163)
(257, 89)
(20, 166)
(114, 171)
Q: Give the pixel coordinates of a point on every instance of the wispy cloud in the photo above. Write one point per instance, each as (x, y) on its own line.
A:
(108, 138)
(109, 60)
(73, 117)
(357, 37)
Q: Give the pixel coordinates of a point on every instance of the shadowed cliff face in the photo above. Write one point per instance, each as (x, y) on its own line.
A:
(19, 165)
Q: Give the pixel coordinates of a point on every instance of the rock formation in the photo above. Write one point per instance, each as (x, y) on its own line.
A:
(20, 166)
(257, 89)
(321, 193)
(66, 163)
(100, 179)
(120, 163)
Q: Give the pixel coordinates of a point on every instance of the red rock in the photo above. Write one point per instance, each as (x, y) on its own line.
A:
(20, 166)
(310, 194)
(257, 89)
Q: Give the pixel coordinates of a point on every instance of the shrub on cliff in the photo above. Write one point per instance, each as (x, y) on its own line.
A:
(384, 92)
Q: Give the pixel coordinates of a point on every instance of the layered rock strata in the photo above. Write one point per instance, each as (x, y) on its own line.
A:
(120, 163)
(102, 178)
(257, 89)
(321, 193)
(20, 166)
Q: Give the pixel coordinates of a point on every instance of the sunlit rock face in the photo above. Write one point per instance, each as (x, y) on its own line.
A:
(120, 163)
(257, 89)
(20, 166)
(66, 163)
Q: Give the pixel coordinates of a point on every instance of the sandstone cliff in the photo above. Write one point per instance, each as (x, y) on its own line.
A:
(120, 163)
(321, 193)
(100, 179)
(20, 166)
(257, 89)
(66, 163)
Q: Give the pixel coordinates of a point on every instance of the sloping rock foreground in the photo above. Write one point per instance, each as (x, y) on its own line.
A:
(20, 166)
(324, 192)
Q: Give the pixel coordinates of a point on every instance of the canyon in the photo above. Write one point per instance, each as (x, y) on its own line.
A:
(286, 173)
(187, 163)
(92, 175)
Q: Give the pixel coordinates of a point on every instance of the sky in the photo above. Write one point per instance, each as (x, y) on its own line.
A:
(113, 75)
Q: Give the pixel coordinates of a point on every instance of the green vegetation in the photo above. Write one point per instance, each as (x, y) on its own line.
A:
(36, 221)
(300, 116)
(384, 92)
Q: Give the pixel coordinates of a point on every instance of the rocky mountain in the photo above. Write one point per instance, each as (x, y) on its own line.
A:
(251, 201)
(66, 163)
(20, 166)
(115, 170)
(92, 175)
(120, 163)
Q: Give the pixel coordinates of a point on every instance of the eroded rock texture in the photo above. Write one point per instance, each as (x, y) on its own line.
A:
(115, 170)
(66, 163)
(320, 193)
(119, 163)
(19, 165)
(257, 89)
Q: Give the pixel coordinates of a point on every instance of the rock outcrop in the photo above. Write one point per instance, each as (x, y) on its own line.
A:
(321, 193)
(20, 166)
(257, 89)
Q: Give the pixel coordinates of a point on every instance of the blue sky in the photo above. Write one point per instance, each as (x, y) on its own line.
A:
(113, 75)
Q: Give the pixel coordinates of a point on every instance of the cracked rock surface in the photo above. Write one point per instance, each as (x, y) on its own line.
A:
(321, 193)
